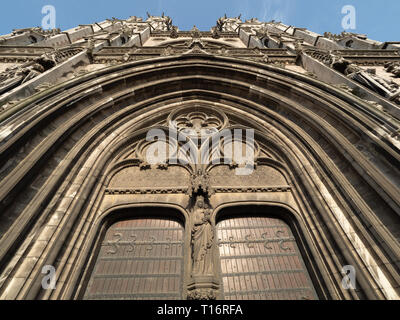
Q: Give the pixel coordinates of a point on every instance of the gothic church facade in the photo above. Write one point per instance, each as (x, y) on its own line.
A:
(84, 214)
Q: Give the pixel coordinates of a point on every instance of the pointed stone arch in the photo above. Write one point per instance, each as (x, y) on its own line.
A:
(336, 154)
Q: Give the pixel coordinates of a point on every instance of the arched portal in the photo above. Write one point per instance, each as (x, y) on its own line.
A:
(79, 155)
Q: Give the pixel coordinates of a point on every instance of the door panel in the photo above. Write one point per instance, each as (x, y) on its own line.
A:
(260, 260)
(139, 259)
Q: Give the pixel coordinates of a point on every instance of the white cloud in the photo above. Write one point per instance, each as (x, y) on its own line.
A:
(278, 10)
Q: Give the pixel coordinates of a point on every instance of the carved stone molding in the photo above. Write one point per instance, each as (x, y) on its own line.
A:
(116, 191)
(252, 189)
(265, 55)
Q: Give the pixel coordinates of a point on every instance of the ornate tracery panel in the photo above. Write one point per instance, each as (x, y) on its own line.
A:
(140, 258)
(260, 260)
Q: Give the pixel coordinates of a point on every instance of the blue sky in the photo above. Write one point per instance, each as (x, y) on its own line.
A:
(379, 19)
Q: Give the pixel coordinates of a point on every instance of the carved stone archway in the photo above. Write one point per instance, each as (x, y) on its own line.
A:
(314, 150)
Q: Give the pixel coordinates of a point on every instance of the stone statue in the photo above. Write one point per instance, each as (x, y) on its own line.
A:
(394, 68)
(225, 24)
(174, 32)
(367, 78)
(202, 239)
(32, 72)
(13, 77)
(163, 23)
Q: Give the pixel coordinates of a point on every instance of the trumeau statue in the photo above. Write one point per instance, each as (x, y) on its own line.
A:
(202, 239)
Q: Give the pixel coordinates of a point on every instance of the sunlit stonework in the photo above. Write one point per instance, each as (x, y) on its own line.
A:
(80, 195)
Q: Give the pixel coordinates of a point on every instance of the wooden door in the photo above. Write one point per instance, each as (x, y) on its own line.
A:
(260, 260)
(140, 258)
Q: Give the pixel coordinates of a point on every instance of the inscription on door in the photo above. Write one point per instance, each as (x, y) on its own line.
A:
(260, 260)
(139, 259)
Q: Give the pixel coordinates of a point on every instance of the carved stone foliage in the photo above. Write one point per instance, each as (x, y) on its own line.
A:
(215, 33)
(195, 32)
(174, 33)
(202, 294)
(359, 57)
(343, 35)
(200, 183)
(12, 54)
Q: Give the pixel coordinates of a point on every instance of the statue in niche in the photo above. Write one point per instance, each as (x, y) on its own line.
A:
(367, 78)
(202, 239)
